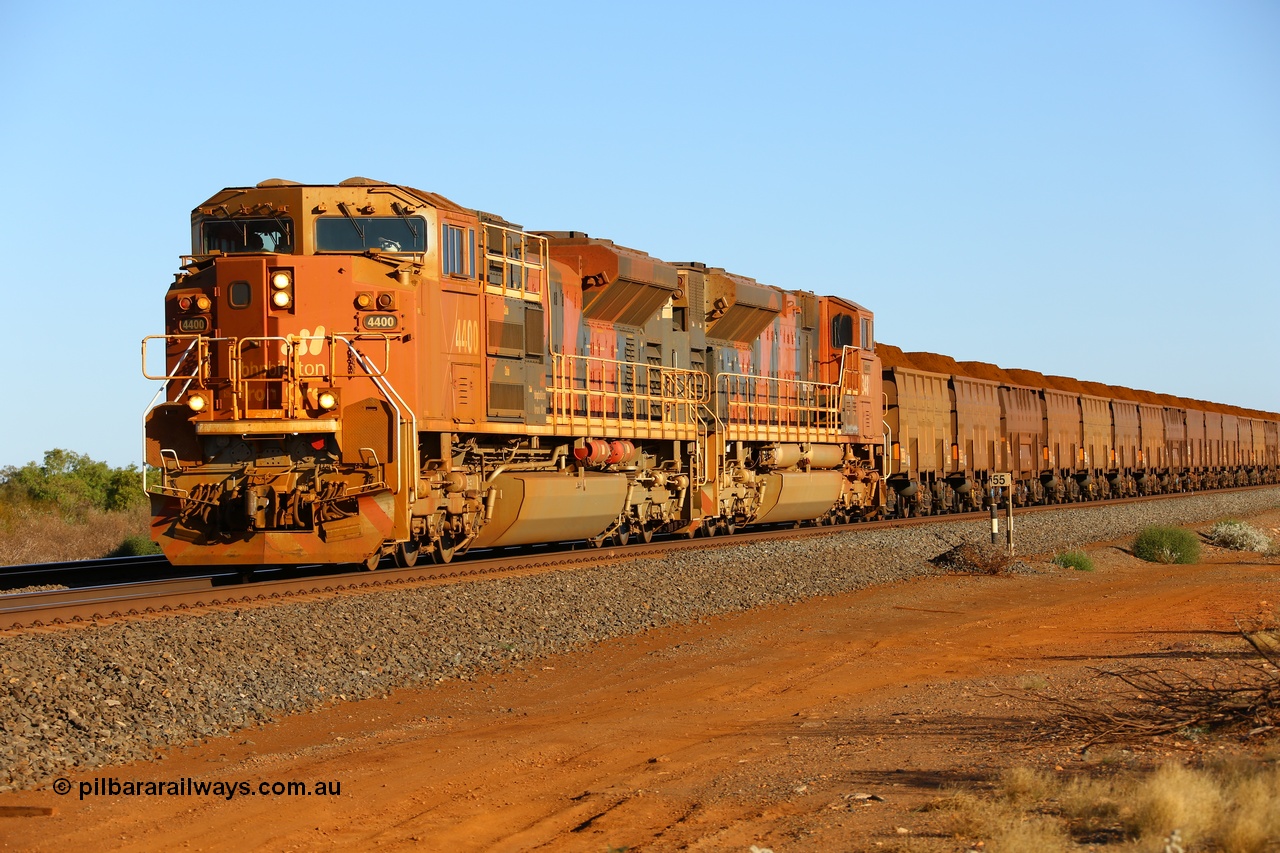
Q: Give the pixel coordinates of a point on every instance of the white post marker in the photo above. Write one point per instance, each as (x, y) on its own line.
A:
(1001, 481)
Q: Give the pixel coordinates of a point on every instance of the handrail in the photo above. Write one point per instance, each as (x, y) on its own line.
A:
(292, 348)
(163, 390)
(287, 370)
(799, 408)
(590, 390)
(410, 476)
(199, 343)
(531, 271)
(240, 382)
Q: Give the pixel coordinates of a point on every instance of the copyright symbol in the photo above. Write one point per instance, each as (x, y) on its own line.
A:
(61, 786)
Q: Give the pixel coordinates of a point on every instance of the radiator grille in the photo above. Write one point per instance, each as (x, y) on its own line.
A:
(506, 396)
(506, 337)
(534, 339)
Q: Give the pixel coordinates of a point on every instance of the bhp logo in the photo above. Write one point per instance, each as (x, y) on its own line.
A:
(304, 346)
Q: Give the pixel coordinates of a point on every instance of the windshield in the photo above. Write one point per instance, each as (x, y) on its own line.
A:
(233, 236)
(358, 233)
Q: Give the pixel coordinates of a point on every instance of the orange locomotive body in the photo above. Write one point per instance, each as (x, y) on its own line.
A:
(365, 369)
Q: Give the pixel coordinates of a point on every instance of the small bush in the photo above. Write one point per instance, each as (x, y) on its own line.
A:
(1167, 545)
(1077, 560)
(1239, 536)
(136, 546)
(1175, 796)
(1023, 784)
(973, 558)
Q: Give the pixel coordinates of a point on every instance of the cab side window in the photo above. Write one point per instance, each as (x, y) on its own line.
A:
(457, 251)
(841, 331)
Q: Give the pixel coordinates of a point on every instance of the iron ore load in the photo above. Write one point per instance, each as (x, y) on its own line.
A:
(364, 369)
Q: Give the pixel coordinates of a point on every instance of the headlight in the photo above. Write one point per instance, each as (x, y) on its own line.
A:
(327, 400)
(196, 403)
(364, 300)
(281, 280)
(203, 303)
(280, 299)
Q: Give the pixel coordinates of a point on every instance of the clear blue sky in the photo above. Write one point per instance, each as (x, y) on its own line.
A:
(1087, 188)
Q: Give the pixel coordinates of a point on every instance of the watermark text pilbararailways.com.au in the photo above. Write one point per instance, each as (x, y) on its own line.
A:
(227, 789)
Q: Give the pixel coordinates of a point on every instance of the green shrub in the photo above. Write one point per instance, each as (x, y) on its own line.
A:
(73, 483)
(1239, 536)
(1077, 560)
(136, 546)
(1167, 545)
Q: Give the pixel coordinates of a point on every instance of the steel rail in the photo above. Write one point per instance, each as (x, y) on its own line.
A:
(92, 605)
(97, 572)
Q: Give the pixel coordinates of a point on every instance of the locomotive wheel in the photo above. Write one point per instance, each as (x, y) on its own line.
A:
(730, 527)
(444, 549)
(646, 535)
(371, 561)
(406, 554)
(623, 536)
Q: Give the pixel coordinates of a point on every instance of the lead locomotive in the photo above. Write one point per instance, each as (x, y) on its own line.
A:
(364, 369)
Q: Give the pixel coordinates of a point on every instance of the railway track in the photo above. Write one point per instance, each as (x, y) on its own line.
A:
(223, 588)
(83, 572)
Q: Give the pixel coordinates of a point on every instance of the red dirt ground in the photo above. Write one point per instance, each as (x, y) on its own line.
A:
(754, 729)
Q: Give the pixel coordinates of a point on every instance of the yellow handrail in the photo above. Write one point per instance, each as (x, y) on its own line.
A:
(769, 408)
(592, 393)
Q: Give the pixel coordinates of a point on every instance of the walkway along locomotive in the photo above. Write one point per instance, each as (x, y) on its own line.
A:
(360, 369)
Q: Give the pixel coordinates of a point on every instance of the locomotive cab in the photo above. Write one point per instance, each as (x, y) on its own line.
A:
(284, 434)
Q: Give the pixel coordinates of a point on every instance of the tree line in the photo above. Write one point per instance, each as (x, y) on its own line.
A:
(72, 483)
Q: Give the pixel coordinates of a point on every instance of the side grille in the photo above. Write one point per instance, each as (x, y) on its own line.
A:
(506, 337)
(506, 396)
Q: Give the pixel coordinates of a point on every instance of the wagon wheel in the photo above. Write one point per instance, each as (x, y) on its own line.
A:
(406, 554)
(444, 547)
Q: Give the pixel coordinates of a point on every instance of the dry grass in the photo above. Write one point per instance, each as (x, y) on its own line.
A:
(30, 533)
(1175, 797)
(1230, 806)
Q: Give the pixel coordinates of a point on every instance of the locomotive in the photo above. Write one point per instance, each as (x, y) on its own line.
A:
(366, 369)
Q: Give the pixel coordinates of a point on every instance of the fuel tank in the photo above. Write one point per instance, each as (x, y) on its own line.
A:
(799, 495)
(539, 506)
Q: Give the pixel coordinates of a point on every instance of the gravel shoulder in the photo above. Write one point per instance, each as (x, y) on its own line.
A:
(715, 701)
